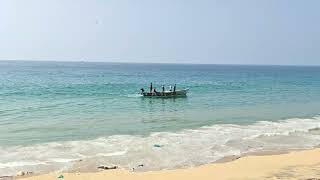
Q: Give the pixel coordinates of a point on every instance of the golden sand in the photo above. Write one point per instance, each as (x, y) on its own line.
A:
(294, 165)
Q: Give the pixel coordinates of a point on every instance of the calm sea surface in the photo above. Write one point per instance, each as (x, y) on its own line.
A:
(59, 104)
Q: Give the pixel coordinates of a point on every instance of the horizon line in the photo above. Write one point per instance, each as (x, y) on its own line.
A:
(137, 62)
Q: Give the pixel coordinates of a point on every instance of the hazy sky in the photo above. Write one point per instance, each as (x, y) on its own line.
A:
(177, 31)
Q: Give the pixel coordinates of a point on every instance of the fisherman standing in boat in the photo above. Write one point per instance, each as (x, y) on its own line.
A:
(163, 89)
(174, 88)
(151, 88)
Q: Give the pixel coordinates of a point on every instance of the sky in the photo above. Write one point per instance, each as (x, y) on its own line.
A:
(162, 31)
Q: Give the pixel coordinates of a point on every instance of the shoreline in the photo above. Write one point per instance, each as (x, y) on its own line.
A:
(261, 165)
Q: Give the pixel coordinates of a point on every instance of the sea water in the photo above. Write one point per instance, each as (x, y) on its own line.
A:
(55, 113)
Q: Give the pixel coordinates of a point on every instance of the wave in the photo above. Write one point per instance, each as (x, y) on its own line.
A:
(164, 150)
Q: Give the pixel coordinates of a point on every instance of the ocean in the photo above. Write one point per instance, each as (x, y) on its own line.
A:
(53, 114)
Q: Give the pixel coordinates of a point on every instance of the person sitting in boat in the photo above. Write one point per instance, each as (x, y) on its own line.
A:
(154, 91)
(142, 90)
(170, 88)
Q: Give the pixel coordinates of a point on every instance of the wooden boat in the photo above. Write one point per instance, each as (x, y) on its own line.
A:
(177, 93)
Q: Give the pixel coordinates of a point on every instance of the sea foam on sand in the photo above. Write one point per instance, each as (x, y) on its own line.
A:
(164, 150)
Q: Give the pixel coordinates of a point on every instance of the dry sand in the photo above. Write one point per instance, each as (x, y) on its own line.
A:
(294, 165)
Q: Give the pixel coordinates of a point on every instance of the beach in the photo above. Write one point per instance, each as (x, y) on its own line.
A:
(303, 164)
(159, 90)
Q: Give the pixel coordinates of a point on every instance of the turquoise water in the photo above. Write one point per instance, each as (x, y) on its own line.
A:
(42, 103)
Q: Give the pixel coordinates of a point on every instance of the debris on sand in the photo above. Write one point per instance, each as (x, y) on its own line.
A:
(20, 173)
(107, 168)
(23, 173)
(60, 177)
(157, 145)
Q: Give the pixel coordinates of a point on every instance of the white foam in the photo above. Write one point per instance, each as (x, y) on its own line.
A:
(21, 164)
(112, 154)
(60, 160)
(181, 149)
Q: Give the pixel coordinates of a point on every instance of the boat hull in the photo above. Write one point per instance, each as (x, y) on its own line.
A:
(179, 93)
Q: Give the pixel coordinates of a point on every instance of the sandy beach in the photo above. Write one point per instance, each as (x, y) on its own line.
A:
(294, 165)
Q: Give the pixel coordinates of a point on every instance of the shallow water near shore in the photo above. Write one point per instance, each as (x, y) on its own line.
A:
(54, 113)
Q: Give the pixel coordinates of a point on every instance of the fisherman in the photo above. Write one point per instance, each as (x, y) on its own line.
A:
(142, 90)
(163, 89)
(174, 88)
(151, 88)
(170, 88)
(154, 91)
